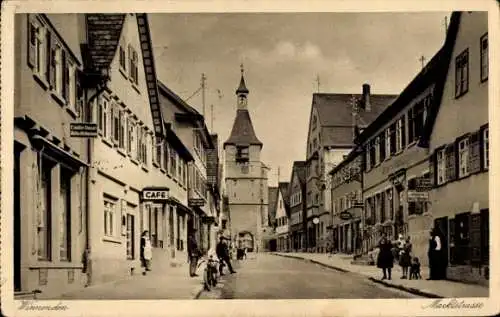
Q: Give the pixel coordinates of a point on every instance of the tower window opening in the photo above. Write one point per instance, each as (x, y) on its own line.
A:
(242, 154)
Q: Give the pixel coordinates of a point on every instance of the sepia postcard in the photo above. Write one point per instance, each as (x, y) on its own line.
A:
(244, 158)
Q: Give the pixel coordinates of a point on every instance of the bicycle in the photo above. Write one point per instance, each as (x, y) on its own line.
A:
(210, 275)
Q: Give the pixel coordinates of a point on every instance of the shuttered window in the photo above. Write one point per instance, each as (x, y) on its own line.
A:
(485, 139)
(411, 124)
(123, 59)
(462, 73)
(440, 166)
(475, 152)
(403, 132)
(166, 157)
(463, 157)
(65, 76)
(392, 136)
(451, 162)
(133, 58)
(130, 136)
(399, 135)
(484, 57)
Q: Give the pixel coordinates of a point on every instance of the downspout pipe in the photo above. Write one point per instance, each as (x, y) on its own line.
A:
(101, 87)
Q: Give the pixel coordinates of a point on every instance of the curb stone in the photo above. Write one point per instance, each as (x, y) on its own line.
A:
(410, 290)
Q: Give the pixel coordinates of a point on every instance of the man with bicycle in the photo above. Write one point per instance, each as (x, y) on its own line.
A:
(223, 254)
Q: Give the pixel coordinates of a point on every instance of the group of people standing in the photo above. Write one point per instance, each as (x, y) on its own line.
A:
(401, 251)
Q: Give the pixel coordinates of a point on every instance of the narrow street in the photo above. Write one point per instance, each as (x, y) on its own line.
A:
(272, 277)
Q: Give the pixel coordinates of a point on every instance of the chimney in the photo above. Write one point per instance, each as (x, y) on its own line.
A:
(366, 97)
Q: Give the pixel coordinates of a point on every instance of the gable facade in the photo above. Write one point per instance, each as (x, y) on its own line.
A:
(459, 160)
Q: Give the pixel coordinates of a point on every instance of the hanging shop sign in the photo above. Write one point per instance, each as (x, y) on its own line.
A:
(345, 215)
(155, 194)
(83, 130)
(357, 204)
(416, 196)
(196, 202)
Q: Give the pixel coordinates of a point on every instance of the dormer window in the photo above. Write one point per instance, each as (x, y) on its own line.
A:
(242, 154)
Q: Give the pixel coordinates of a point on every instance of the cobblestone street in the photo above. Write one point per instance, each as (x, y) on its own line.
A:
(272, 277)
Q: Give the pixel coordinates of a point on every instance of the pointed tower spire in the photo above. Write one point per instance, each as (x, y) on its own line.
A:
(242, 89)
(243, 132)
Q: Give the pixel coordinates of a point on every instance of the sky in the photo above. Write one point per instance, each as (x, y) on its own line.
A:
(283, 54)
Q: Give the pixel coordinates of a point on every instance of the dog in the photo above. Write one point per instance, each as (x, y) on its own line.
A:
(415, 269)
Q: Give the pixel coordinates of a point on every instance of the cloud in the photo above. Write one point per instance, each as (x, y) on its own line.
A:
(285, 51)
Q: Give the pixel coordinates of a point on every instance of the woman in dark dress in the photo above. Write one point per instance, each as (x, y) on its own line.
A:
(405, 257)
(385, 259)
(437, 262)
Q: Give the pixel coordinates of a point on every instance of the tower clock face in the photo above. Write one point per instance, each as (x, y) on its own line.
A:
(242, 101)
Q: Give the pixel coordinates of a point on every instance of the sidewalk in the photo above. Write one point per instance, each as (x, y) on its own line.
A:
(167, 283)
(432, 289)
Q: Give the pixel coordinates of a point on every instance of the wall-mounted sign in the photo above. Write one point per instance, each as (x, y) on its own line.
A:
(155, 194)
(358, 204)
(196, 202)
(416, 196)
(345, 215)
(423, 184)
(83, 130)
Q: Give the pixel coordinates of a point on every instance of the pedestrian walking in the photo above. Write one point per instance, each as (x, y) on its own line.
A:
(385, 259)
(194, 254)
(146, 252)
(437, 262)
(222, 251)
(405, 258)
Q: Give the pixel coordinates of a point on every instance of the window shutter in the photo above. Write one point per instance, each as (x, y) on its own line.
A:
(32, 32)
(410, 126)
(392, 136)
(48, 56)
(130, 58)
(65, 80)
(451, 162)
(403, 132)
(382, 146)
(136, 70)
(474, 152)
(482, 148)
(52, 64)
(432, 168)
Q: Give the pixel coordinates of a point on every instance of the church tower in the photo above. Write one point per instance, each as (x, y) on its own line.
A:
(245, 177)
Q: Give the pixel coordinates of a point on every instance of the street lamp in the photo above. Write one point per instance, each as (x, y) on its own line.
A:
(315, 221)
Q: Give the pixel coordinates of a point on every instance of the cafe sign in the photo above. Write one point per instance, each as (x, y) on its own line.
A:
(155, 194)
